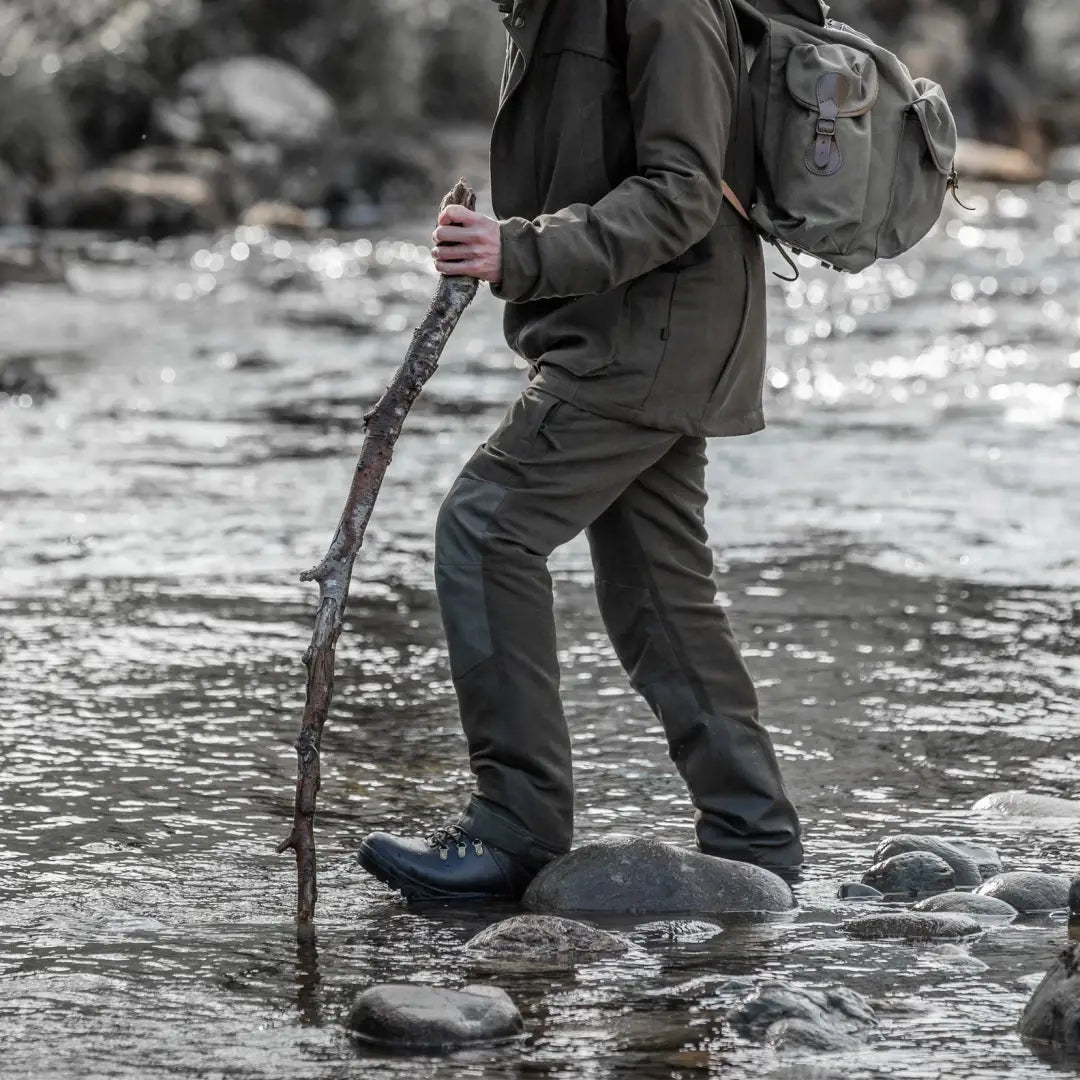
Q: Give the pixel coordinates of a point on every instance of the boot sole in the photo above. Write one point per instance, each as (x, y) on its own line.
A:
(414, 891)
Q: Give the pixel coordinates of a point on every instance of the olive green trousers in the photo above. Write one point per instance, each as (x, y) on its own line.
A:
(548, 472)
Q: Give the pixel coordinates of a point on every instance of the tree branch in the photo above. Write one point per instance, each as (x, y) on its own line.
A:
(333, 574)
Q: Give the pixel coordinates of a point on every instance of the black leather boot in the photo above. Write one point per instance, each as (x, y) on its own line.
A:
(448, 865)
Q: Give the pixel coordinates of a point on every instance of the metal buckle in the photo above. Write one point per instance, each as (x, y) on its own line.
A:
(825, 126)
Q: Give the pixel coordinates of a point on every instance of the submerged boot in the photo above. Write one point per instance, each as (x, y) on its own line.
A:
(448, 865)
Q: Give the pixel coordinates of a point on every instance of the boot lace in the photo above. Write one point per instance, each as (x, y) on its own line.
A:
(453, 836)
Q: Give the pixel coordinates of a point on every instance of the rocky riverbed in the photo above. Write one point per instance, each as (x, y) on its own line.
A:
(178, 423)
(164, 117)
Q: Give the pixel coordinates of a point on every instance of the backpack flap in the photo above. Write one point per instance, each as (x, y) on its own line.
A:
(938, 125)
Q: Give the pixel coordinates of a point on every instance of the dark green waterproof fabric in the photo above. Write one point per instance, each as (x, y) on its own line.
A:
(633, 289)
(550, 471)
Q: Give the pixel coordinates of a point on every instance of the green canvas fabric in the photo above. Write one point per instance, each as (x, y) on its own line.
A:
(855, 157)
(550, 471)
(632, 288)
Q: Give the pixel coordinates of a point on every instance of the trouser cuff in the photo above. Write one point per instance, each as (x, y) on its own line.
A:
(484, 821)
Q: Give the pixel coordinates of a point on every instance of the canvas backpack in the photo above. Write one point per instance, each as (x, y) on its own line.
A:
(853, 157)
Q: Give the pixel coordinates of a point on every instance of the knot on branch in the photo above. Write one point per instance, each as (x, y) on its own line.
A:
(460, 194)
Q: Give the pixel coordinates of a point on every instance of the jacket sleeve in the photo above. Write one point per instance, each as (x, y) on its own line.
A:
(681, 84)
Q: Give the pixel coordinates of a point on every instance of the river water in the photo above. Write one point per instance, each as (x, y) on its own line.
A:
(899, 550)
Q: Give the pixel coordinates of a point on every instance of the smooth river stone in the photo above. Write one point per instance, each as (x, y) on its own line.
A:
(968, 903)
(1021, 804)
(1052, 1015)
(913, 926)
(799, 1018)
(915, 873)
(639, 876)
(1029, 892)
(985, 858)
(430, 1018)
(965, 869)
(544, 937)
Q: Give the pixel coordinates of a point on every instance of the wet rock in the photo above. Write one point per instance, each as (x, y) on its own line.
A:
(544, 937)
(646, 876)
(857, 891)
(914, 873)
(1074, 898)
(20, 375)
(253, 99)
(430, 1018)
(30, 264)
(1052, 1015)
(1029, 892)
(686, 931)
(912, 926)
(799, 1018)
(964, 868)
(1022, 804)
(986, 859)
(967, 903)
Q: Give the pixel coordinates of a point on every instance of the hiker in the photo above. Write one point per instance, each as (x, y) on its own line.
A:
(636, 293)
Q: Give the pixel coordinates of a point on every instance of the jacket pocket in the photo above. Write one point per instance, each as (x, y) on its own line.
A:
(645, 328)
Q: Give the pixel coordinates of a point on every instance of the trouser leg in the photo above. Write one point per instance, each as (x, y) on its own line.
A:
(545, 474)
(658, 599)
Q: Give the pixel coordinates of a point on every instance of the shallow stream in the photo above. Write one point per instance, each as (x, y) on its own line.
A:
(899, 551)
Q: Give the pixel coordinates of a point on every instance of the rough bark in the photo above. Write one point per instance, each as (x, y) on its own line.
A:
(382, 426)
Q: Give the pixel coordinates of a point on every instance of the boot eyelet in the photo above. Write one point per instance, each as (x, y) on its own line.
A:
(444, 853)
(478, 847)
(461, 851)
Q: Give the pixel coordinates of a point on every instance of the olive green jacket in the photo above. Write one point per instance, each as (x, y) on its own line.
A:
(633, 289)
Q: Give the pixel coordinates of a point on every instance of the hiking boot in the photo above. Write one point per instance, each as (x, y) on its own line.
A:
(792, 873)
(448, 865)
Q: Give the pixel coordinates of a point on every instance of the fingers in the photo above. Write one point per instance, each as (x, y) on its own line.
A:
(454, 253)
(459, 215)
(475, 269)
(455, 234)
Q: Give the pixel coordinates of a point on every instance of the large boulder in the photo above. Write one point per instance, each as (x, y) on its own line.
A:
(799, 1018)
(964, 867)
(544, 937)
(1052, 1015)
(987, 859)
(155, 192)
(913, 873)
(248, 99)
(639, 876)
(1029, 892)
(1023, 804)
(430, 1018)
(913, 926)
(968, 903)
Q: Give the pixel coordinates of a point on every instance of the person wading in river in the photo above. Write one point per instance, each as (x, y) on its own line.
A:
(636, 293)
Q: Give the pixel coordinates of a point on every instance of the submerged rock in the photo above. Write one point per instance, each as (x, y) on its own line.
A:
(799, 1018)
(965, 869)
(646, 876)
(1021, 804)
(913, 926)
(1029, 892)
(20, 375)
(1052, 1015)
(1074, 897)
(913, 873)
(967, 903)
(430, 1018)
(854, 890)
(544, 937)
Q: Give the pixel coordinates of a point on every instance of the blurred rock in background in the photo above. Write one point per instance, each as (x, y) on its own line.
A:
(158, 116)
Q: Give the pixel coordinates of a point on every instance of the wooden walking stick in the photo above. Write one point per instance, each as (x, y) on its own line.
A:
(382, 426)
